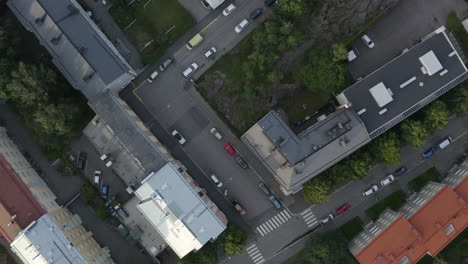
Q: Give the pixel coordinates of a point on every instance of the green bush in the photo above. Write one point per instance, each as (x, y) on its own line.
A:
(394, 201)
(103, 212)
(419, 182)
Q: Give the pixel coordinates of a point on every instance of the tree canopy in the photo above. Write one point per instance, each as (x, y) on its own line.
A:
(386, 148)
(206, 255)
(233, 240)
(322, 73)
(437, 116)
(317, 190)
(325, 248)
(414, 132)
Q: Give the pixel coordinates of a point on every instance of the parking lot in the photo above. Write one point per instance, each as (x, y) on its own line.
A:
(401, 30)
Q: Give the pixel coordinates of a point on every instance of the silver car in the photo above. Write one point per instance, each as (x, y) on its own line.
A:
(373, 189)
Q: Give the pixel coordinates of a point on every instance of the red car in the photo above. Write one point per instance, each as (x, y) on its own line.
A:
(228, 147)
(342, 208)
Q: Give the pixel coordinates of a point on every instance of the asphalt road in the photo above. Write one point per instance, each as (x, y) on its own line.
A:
(165, 105)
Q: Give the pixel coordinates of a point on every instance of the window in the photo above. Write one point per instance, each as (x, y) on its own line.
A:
(449, 229)
(404, 260)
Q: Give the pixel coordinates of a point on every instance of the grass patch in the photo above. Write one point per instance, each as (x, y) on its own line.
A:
(156, 25)
(394, 201)
(419, 182)
(351, 228)
(454, 24)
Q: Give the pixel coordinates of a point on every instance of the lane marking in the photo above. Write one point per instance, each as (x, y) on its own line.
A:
(460, 136)
(209, 25)
(135, 91)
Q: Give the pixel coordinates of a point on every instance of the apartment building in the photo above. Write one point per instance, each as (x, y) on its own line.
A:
(425, 224)
(26, 195)
(372, 105)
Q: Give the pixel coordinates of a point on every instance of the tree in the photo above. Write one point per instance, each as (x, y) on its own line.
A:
(326, 248)
(292, 9)
(30, 84)
(322, 73)
(317, 190)
(437, 116)
(233, 240)
(414, 132)
(274, 77)
(206, 255)
(386, 148)
(103, 212)
(439, 260)
(359, 164)
(57, 119)
(458, 100)
(339, 51)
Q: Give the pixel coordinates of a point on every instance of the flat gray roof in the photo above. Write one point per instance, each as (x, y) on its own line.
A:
(409, 88)
(79, 49)
(129, 131)
(295, 159)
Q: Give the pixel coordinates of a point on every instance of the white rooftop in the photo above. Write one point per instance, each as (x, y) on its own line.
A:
(179, 214)
(381, 94)
(214, 3)
(431, 63)
(42, 242)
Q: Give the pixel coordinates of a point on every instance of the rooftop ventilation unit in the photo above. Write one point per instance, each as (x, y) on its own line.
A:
(40, 20)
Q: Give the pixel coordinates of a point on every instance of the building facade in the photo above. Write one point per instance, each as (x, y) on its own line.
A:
(425, 224)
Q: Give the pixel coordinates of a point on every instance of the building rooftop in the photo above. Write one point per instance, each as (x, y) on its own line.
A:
(294, 159)
(42, 242)
(406, 84)
(124, 128)
(182, 216)
(16, 200)
(427, 222)
(83, 54)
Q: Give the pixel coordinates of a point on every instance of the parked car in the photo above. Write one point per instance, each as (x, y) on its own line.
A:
(197, 39)
(228, 147)
(429, 153)
(210, 52)
(178, 137)
(256, 13)
(229, 9)
(400, 171)
(105, 191)
(112, 210)
(242, 162)
(82, 160)
(269, 2)
(165, 65)
(238, 207)
(342, 208)
(120, 210)
(444, 143)
(387, 180)
(152, 76)
(97, 176)
(190, 70)
(270, 195)
(373, 189)
(242, 25)
(215, 132)
(215, 180)
(326, 219)
(352, 55)
(365, 38)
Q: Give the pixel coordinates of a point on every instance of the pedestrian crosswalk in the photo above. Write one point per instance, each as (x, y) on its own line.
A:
(273, 223)
(255, 254)
(309, 217)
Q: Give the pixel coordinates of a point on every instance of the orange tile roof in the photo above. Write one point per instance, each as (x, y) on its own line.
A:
(447, 207)
(16, 198)
(390, 245)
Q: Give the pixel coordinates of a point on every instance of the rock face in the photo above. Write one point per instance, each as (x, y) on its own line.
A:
(337, 20)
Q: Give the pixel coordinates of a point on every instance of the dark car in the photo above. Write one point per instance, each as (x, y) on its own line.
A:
(242, 162)
(343, 208)
(270, 195)
(429, 153)
(165, 65)
(400, 171)
(256, 13)
(105, 191)
(269, 2)
(81, 163)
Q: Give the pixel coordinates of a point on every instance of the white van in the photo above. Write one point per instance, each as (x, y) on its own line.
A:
(152, 76)
(445, 143)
